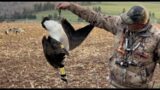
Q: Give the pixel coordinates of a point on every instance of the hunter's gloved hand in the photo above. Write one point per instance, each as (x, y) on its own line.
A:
(63, 5)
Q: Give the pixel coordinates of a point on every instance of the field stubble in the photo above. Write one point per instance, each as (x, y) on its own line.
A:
(23, 64)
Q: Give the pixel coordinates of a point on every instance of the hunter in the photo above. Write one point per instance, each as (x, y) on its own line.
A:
(137, 46)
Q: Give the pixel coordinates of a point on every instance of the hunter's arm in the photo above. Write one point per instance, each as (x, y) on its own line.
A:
(108, 23)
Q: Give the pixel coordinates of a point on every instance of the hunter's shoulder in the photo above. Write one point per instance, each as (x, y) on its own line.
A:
(155, 30)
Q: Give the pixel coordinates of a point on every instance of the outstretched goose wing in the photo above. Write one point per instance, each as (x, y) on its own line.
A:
(75, 37)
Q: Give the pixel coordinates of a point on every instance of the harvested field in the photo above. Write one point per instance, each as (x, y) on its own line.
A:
(23, 64)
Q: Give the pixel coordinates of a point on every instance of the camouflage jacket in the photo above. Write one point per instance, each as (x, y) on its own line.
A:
(145, 55)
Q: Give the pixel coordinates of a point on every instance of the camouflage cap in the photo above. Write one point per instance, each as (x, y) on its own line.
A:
(137, 14)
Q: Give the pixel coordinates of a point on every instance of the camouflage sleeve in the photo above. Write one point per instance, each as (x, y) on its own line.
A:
(108, 23)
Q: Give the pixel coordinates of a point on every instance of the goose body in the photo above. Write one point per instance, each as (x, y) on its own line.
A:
(62, 38)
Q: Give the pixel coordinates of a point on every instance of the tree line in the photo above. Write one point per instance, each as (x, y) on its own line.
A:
(28, 13)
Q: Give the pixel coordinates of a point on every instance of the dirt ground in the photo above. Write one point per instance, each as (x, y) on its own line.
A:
(23, 65)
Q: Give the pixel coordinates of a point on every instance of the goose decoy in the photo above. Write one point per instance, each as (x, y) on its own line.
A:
(62, 38)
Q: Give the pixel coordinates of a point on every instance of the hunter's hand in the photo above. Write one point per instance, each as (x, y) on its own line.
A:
(63, 5)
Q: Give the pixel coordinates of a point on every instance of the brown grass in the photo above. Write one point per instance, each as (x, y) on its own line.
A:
(23, 64)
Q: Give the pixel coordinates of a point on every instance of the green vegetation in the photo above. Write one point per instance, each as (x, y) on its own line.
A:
(66, 14)
(117, 7)
(110, 8)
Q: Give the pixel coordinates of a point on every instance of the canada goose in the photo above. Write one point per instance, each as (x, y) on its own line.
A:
(63, 34)
(62, 38)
